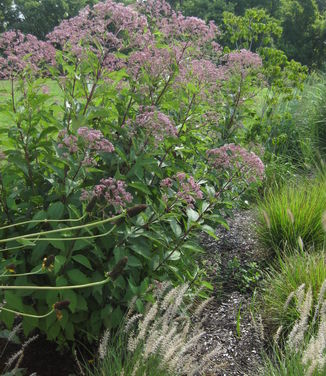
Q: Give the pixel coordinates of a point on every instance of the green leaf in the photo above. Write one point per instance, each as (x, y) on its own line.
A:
(210, 231)
(81, 244)
(218, 219)
(83, 260)
(116, 317)
(175, 227)
(139, 305)
(142, 247)
(56, 210)
(134, 261)
(29, 324)
(13, 301)
(140, 187)
(59, 261)
(192, 247)
(175, 256)
(207, 285)
(77, 277)
(192, 214)
(40, 215)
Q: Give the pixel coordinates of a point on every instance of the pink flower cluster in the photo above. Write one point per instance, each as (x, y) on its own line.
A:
(111, 190)
(188, 190)
(202, 73)
(241, 61)
(155, 8)
(95, 140)
(156, 62)
(193, 29)
(231, 156)
(17, 51)
(155, 124)
(112, 25)
(89, 142)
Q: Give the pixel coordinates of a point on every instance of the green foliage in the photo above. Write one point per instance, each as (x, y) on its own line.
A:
(245, 276)
(310, 114)
(255, 29)
(291, 212)
(285, 277)
(301, 43)
(7, 14)
(205, 9)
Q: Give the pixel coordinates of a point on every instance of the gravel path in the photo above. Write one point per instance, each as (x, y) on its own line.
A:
(241, 349)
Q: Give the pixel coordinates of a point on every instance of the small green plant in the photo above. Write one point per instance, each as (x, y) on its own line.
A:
(283, 278)
(246, 276)
(238, 323)
(291, 212)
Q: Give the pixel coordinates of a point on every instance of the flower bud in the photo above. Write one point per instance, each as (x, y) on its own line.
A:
(11, 268)
(61, 305)
(48, 262)
(135, 210)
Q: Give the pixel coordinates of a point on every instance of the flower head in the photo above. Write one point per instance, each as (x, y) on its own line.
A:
(231, 156)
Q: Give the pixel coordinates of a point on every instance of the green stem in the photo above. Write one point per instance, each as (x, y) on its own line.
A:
(43, 221)
(22, 274)
(77, 238)
(111, 219)
(56, 288)
(26, 314)
(12, 248)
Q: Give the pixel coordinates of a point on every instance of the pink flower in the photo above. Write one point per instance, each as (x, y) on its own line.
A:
(166, 183)
(232, 156)
(188, 190)
(17, 51)
(94, 140)
(155, 124)
(88, 143)
(111, 190)
(112, 25)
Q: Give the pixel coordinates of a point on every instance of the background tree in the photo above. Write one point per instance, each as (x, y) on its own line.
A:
(252, 31)
(205, 9)
(39, 17)
(7, 14)
(299, 19)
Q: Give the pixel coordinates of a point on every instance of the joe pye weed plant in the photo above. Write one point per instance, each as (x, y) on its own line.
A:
(126, 164)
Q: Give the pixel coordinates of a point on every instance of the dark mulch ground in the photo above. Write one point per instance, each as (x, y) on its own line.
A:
(41, 358)
(240, 354)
